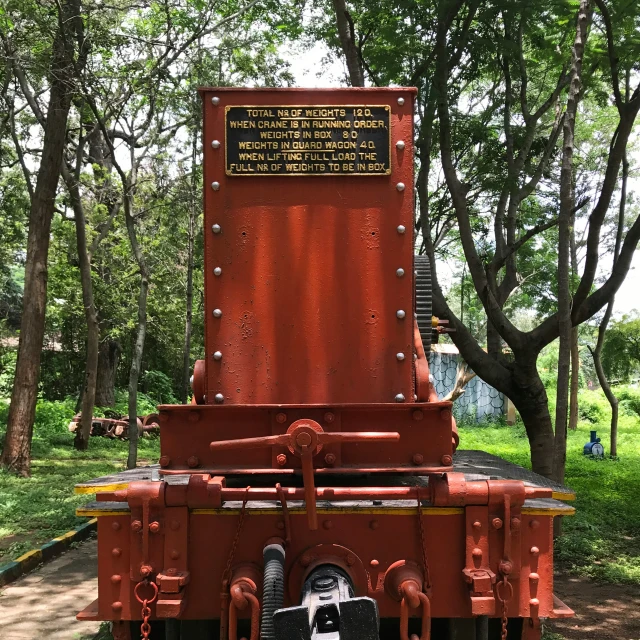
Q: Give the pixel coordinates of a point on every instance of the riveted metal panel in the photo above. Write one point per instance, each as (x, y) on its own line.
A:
(309, 291)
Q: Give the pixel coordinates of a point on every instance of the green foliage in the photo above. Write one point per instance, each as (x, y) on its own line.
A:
(157, 385)
(593, 407)
(628, 400)
(621, 349)
(602, 540)
(34, 510)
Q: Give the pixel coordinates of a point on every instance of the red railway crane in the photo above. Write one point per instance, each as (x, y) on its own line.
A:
(310, 490)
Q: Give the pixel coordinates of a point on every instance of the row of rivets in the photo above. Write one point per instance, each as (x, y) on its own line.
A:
(217, 313)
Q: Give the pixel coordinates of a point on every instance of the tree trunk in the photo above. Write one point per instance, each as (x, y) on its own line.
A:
(108, 356)
(347, 41)
(564, 240)
(575, 380)
(16, 454)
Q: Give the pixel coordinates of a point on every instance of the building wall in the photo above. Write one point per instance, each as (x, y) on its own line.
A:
(480, 401)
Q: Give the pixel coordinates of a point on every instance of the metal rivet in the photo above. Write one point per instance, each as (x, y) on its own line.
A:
(477, 525)
(399, 314)
(216, 144)
(400, 229)
(535, 551)
(217, 313)
(165, 461)
(116, 552)
(215, 186)
(400, 145)
(215, 100)
(400, 356)
(400, 101)
(477, 552)
(116, 578)
(193, 462)
(400, 272)
(374, 524)
(415, 397)
(281, 417)
(417, 414)
(415, 356)
(399, 397)
(327, 524)
(281, 459)
(217, 271)
(330, 459)
(219, 398)
(175, 554)
(417, 458)
(117, 605)
(399, 186)
(216, 228)
(217, 355)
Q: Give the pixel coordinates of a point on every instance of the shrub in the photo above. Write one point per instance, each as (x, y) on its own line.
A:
(158, 385)
(593, 406)
(629, 399)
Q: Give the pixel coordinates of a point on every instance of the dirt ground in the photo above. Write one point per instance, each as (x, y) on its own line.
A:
(603, 611)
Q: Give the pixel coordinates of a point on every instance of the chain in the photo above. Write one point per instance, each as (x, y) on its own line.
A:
(145, 627)
(425, 561)
(227, 571)
(504, 599)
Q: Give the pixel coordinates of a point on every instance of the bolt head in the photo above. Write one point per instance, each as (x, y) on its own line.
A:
(116, 552)
(400, 101)
(303, 439)
(215, 144)
(351, 559)
(281, 417)
(281, 459)
(215, 101)
(400, 229)
(399, 397)
(145, 570)
(534, 602)
(175, 554)
(400, 356)
(330, 459)
(496, 523)
(327, 524)
(116, 579)
(117, 605)
(136, 526)
(477, 525)
(219, 398)
(535, 551)
(154, 527)
(115, 526)
(445, 414)
(305, 561)
(165, 461)
(446, 460)
(400, 272)
(417, 458)
(374, 562)
(400, 145)
(477, 552)
(506, 567)
(329, 417)
(171, 571)
(217, 355)
(217, 271)
(400, 186)
(515, 523)
(216, 228)
(193, 462)
(534, 577)
(217, 313)
(534, 524)
(417, 414)
(215, 186)
(400, 314)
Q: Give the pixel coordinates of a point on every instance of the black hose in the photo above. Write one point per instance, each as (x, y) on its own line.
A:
(272, 589)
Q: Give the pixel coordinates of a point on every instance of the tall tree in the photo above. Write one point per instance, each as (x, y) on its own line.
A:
(16, 454)
(500, 75)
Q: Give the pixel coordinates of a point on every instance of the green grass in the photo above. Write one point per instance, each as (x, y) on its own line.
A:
(34, 510)
(602, 541)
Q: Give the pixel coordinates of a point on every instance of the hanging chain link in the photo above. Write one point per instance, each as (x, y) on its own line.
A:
(504, 592)
(227, 571)
(145, 627)
(423, 544)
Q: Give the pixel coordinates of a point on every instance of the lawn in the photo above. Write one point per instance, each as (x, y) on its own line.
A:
(601, 541)
(36, 509)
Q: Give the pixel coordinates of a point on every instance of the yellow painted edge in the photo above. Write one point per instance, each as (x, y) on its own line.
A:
(64, 536)
(531, 511)
(565, 497)
(34, 553)
(97, 488)
(94, 513)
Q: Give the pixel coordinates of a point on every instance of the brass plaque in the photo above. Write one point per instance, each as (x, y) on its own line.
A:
(341, 140)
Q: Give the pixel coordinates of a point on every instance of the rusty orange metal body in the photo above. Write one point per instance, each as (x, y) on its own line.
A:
(314, 426)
